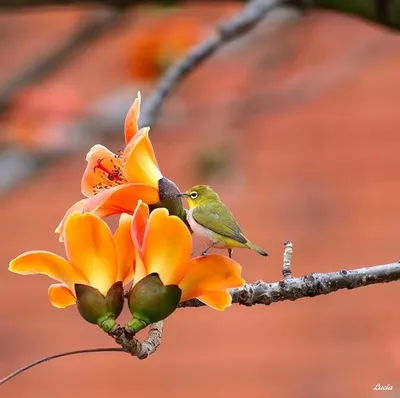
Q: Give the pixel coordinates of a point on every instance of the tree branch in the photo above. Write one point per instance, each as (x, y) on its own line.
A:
(251, 15)
(311, 285)
(135, 347)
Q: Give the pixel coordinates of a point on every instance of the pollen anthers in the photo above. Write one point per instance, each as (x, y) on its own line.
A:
(112, 176)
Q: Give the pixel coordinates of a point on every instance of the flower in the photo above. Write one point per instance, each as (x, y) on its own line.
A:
(163, 246)
(159, 42)
(113, 183)
(96, 258)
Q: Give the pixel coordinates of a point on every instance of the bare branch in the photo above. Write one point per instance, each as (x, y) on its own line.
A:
(251, 15)
(287, 260)
(311, 285)
(135, 347)
(52, 357)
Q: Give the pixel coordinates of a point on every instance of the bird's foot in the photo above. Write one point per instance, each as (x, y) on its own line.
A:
(204, 253)
(230, 253)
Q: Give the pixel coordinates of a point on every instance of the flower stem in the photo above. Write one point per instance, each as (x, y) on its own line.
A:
(55, 356)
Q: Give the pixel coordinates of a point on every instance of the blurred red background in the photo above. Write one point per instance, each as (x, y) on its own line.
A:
(296, 128)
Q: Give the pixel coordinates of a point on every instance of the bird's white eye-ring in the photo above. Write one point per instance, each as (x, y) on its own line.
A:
(194, 195)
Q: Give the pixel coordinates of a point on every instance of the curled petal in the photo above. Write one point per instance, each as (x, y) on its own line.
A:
(141, 164)
(140, 268)
(103, 170)
(121, 199)
(78, 206)
(46, 263)
(167, 246)
(90, 248)
(131, 120)
(141, 133)
(125, 249)
(218, 300)
(60, 296)
(139, 223)
(210, 273)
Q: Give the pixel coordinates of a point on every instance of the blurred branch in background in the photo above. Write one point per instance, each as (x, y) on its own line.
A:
(251, 15)
(89, 30)
(88, 126)
(386, 12)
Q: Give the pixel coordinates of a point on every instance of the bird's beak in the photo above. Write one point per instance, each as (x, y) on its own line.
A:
(182, 195)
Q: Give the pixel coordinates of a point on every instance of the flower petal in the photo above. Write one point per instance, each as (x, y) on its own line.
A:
(121, 199)
(218, 300)
(78, 206)
(132, 118)
(167, 246)
(139, 223)
(90, 248)
(60, 296)
(103, 170)
(141, 164)
(140, 269)
(125, 249)
(141, 133)
(46, 263)
(209, 273)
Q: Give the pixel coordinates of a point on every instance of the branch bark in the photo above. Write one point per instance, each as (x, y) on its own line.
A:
(311, 285)
(135, 347)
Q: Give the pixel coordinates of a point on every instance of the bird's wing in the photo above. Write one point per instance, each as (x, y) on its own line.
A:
(216, 222)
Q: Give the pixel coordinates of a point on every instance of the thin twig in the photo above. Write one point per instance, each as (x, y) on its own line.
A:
(287, 259)
(51, 357)
(310, 285)
(252, 14)
(135, 347)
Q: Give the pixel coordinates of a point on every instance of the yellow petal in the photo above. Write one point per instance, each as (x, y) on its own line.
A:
(60, 296)
(78, 206)
(140, 269)
(219, 300)
(142, 132)
(46, 263)
(90, 248)
(125, 249)
(209, 273)
(139, 223)
(103, 170)
(141, 165)
(167, 246)
(121, 199)
(131, 120)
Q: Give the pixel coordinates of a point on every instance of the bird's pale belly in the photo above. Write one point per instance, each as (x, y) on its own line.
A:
(208, 235)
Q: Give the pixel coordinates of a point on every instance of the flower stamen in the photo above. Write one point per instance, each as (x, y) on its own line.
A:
(112, 175)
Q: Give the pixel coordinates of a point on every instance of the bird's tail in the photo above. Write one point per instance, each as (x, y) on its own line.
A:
(258, 249)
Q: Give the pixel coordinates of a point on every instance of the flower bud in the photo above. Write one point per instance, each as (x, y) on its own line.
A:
(99, 309)
(168, 192)
(150, 301)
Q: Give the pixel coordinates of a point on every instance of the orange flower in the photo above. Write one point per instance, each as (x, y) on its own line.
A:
(113, 183)
(159, 42)
(163, 245)
(96, 258)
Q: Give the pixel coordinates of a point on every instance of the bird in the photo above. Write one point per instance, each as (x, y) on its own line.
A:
(209, 218)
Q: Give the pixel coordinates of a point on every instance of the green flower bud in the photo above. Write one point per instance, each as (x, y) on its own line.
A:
(99, 309)
(168, 192)
(150, 301)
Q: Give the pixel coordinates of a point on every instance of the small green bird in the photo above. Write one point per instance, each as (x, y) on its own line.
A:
(211, 219)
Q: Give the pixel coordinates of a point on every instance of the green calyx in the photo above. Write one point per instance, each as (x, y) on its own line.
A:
(98, 309)
(151, 301)
(168, 192)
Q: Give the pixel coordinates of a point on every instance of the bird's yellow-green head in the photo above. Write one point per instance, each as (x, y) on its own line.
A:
(200, 195)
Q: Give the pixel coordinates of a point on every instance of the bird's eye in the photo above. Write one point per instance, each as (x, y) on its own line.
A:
(194, 195)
